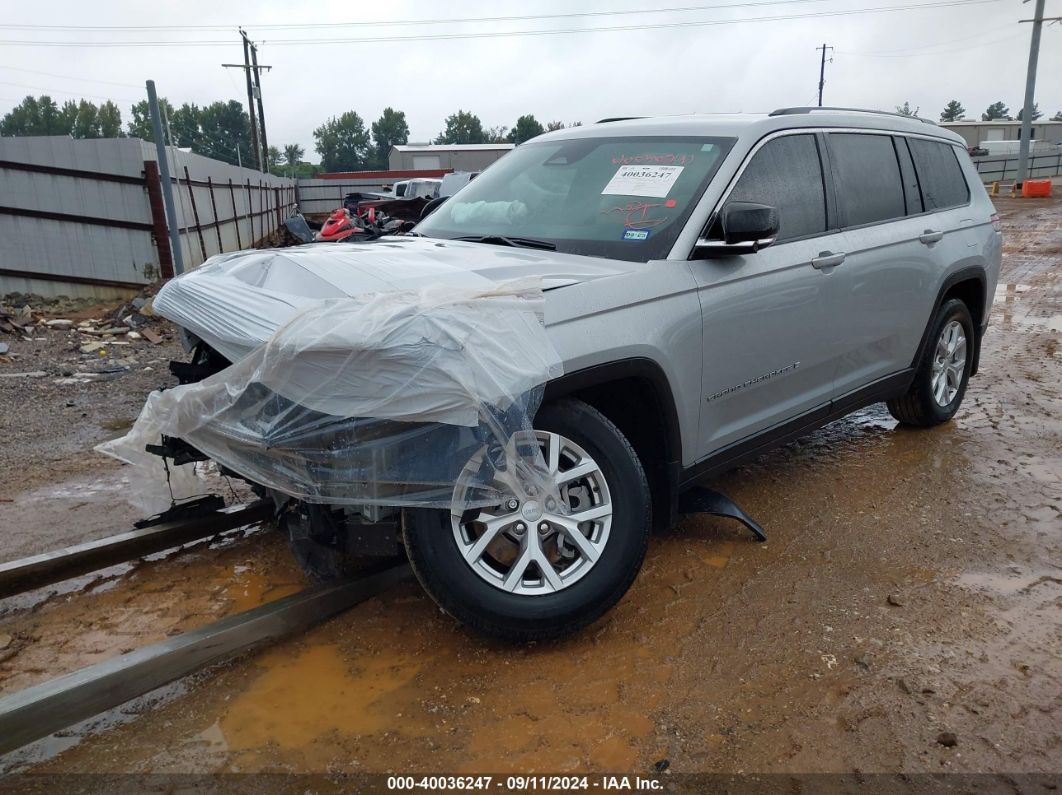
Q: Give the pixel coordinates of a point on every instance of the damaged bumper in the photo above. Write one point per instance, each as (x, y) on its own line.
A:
(388, 398)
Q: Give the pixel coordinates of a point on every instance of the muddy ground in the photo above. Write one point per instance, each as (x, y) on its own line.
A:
(904, 616)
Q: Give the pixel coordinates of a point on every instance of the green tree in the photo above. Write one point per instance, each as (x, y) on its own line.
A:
(497, 135)
(1036, 114)
(996, 111)
(140, 124)
(343, 143)
(293, 154)
(905, 109)
(274, 157)
(389, 130)
(223, 127)
(554, 125)
(462, 128)
(1057, 116)
(109, 119)
(67, 117)
(527, 127)
(953, 111)
(39, 116)
(184, 127)
(86, 121)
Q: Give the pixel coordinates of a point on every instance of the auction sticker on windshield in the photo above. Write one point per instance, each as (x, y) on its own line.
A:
(653, 181)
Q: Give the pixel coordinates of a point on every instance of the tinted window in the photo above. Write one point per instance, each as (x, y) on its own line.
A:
(868, 177)
(787, 174)
(623, 198)
(939, 174)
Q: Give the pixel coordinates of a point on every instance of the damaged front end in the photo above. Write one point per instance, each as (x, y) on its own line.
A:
(358, 404)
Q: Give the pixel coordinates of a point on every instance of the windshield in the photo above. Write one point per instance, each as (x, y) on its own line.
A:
(621, 198)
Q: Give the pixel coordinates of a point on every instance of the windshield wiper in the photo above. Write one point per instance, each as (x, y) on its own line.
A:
(515, 242)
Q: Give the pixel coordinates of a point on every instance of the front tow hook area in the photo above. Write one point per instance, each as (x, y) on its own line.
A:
(702, 500)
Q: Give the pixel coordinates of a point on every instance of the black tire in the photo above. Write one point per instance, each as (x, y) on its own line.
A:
(918, 406)
(457, 589)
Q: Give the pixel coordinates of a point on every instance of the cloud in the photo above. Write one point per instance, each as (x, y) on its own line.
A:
(975, 53)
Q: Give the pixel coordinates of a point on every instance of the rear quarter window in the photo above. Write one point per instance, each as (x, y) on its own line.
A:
(939, 174)
(867, 174)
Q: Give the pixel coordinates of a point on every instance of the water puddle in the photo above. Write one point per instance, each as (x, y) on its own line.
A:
(250, 588)
(318, 691)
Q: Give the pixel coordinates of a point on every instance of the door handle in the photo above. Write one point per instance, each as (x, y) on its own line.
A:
(827, 259)
(931, 236)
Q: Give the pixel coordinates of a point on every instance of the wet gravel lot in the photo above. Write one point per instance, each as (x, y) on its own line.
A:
(904, 615)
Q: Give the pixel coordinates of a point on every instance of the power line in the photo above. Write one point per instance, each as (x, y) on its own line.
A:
(68, 77)
(929, 50)
(81, 94)
(922, 46)
(507, 34)
(396, 22)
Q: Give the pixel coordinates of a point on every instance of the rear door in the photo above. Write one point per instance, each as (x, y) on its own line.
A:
(890, 257)
(950, 211)
(769, 331)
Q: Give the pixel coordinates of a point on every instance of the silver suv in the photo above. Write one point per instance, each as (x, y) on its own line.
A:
(716, 286)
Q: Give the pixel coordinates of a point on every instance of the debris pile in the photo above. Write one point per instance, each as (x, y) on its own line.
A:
(105, 336)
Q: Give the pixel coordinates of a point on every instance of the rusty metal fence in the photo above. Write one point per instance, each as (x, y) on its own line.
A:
(85, 218)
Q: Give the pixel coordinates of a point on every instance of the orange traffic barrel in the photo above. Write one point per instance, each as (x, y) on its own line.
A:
(1036, 188)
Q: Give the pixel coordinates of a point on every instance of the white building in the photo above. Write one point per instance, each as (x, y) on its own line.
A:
(454, 157)
(976, 133)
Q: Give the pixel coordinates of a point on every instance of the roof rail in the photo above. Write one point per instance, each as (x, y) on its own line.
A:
(618, 118)
(795, 111)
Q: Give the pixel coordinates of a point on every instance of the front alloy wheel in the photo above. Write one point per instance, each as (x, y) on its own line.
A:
(534, 567)
(539, 546)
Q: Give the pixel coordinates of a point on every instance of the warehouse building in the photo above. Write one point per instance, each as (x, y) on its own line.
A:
(449, 157)
(976, 133)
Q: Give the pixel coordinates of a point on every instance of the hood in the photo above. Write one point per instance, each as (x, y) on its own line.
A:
(235, 302)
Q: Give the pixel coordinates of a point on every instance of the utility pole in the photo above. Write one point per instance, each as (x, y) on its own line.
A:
(254, 97)
(164, 173)
(261, 110)
(250, 100)
(1030, 89)
(822, 69)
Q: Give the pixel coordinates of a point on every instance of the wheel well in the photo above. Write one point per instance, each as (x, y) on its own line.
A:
(972, 293)
(637, 409)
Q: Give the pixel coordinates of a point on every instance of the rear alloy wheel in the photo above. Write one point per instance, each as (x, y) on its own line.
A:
(943, 372)
(531, 569)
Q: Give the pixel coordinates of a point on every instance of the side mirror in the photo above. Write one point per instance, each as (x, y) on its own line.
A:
(745, 228)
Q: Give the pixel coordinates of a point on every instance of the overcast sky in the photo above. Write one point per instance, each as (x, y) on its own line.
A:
(975, 52)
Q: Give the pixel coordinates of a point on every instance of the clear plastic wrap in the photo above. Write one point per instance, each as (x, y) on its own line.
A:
(385, 399)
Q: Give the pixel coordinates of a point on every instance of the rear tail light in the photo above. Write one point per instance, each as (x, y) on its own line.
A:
(996, 223)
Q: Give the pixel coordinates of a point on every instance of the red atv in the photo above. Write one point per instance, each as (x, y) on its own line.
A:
(339, 226)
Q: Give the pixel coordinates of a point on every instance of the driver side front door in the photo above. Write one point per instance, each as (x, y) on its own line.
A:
(770, 335)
